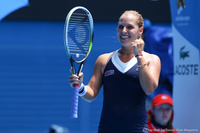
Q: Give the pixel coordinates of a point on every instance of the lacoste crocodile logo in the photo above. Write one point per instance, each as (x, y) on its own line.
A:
(183, 54)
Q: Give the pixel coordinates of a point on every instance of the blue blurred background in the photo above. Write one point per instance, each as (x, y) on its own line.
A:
(34, 68)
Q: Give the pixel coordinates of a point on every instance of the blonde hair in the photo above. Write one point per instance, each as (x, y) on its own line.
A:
(140, 21)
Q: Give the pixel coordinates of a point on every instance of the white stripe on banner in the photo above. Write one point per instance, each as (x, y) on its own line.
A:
(186, 87)
(186, 44)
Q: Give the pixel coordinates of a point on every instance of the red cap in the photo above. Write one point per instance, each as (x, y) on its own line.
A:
(158, 100)
(161, 99)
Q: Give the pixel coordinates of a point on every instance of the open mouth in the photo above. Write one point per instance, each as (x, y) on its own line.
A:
(124, 37)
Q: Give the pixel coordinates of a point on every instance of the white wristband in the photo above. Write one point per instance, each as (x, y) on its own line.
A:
(82, 90)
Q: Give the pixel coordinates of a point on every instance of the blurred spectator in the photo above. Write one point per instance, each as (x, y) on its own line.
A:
(159, 41)
(161, 115)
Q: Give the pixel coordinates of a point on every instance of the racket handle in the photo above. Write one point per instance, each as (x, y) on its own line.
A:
(74, 113)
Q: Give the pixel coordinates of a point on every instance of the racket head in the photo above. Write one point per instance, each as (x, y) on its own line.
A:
(78, 34)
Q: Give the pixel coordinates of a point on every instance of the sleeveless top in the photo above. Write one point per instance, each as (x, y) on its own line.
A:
(124, 99)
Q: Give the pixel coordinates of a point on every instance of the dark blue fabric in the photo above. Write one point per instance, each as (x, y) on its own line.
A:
(159, 41)
(124, 102)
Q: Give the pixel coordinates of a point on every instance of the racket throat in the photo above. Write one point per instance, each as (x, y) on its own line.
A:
(73, 66)
(80, 68)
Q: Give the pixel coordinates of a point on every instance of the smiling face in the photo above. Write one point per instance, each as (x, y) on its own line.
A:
(162, 113)
(128, 29)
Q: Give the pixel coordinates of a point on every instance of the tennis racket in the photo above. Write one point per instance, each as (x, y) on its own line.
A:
(78, 37)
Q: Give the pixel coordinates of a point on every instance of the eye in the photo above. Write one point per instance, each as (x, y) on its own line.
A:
(120, 27)
(129, 27)
(161, 109)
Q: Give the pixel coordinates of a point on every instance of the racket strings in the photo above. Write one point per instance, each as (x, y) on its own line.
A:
(79, 34)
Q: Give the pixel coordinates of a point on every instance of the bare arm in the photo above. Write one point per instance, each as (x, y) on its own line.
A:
(95, 83)
(149, 74)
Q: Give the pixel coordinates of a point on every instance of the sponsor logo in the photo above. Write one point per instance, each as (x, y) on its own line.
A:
(180, 6)
(183, 54)
(109, 72)
(163, 97)
(186, 68)
(181, 19)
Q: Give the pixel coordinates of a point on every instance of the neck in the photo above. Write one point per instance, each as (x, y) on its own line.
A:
(125, 56)
(126, 51)
(167, 125)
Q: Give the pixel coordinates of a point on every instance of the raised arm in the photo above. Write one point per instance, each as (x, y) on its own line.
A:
(149, 72)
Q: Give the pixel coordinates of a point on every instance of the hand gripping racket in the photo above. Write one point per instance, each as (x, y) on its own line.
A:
(78, 37)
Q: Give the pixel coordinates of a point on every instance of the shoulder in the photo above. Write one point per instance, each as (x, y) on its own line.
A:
(151, 57)
(103, 59)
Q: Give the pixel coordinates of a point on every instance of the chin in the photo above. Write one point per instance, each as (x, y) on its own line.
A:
(125, 43)
(165, 120)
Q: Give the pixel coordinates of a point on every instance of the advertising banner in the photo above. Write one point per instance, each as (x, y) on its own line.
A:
(186, 45)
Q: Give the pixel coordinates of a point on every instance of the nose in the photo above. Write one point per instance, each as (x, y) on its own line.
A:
(124, 29)
(166, 110)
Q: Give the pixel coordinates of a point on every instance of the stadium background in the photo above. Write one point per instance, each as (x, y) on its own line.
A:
(34, 68)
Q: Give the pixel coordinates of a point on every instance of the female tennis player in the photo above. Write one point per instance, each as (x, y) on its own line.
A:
(127, 75)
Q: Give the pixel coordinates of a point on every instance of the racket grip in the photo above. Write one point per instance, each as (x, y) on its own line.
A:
(74, 111)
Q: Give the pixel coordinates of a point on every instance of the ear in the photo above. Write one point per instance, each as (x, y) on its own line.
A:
(140, 31)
